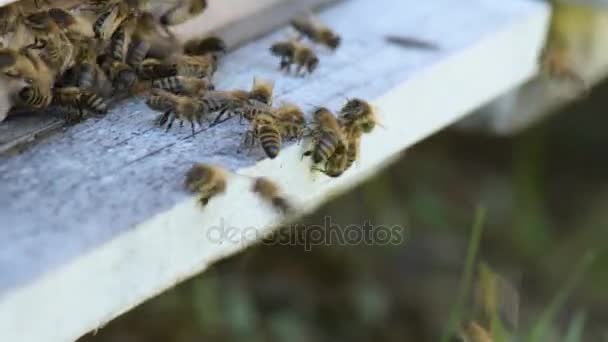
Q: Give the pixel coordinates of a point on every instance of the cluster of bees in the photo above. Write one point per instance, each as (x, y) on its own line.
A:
(334, 147)
(81, 57)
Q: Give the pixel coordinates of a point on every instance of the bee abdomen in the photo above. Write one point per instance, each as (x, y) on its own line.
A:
(156, 71)
(138, 50)
(33, 97)
(172, 84)
(326, 146)
(270, 139)
(94, 102)
(116, 47)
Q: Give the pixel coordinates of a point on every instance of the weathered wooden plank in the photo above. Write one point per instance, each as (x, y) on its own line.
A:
(95, 220)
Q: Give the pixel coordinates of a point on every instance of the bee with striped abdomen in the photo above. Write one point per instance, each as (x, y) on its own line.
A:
(77, 102)
(184, 108)
(182, 85)
(265, 130)
(327, 136)
(206, 181)
(316, 32)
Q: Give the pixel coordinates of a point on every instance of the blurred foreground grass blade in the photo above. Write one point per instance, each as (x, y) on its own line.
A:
(467, 277)
(541, 328)
(576, 327)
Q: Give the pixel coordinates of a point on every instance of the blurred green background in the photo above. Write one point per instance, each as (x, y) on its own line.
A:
(545, 194)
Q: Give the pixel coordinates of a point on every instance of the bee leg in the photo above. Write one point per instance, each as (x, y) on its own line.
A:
(306, 154)
(192, 126)
(181, 123)
(171, 120)
(163, 118)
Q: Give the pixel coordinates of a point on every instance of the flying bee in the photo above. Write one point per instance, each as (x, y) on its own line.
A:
(270, 193)
(175, 107)
(291, 120)
(293, 52)
(360, 113)
(77, 101)
(265, 129)
(206, 181)
(210, 45)
(182, 85)
(327, 136)
(261, 91)
(182, 11)
(309, 27)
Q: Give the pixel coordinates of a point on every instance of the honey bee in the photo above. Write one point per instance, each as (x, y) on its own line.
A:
(76, 101)
(327, 136)
(178, 65)
(73, 26)
(150, 40)
(292, 121)
(182, 11)
(293, 52)
(152, 68)
(121, 39)
(261, 91)
(56, 49)
(25, 66)
(309, 27)
(359, 113)
(335, 165)
(265, 129)
(182, 85)
(110, 19)
(206, 181)
(270, 193)
(174, 106)
(122, 76)
(226, 103)
(210, 45)
(341, 161)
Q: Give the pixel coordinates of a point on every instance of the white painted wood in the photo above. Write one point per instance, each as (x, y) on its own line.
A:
(95, 220)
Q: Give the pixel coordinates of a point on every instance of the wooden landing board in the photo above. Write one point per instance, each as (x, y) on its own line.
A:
(95, 220)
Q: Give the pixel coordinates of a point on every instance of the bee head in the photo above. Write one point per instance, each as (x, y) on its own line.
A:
(282, 49)
(312, 64)
(38, 21)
